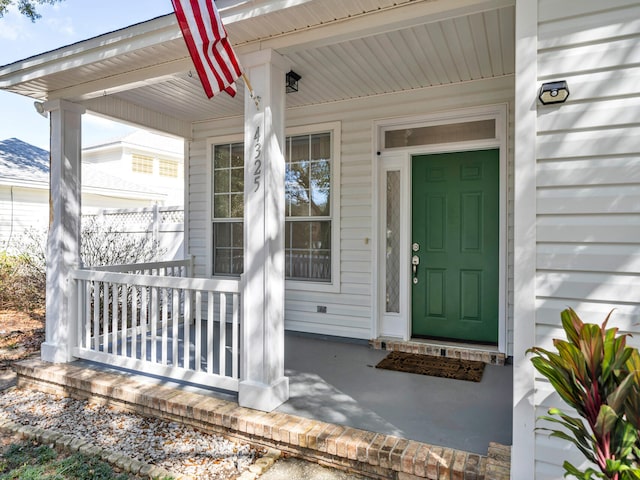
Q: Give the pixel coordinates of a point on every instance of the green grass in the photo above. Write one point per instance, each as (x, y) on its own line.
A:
(28, 460)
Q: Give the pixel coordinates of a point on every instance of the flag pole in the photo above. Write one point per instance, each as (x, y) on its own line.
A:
(256, 99)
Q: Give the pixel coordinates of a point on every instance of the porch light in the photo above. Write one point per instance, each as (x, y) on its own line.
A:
(39, 106)
(554, 92)
(292, 81)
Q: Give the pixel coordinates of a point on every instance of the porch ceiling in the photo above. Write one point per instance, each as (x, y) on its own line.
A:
(343, 49)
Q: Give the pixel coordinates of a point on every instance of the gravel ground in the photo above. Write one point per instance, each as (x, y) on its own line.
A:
(171, 446)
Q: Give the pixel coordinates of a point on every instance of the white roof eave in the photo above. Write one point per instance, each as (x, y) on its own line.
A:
(158, 30)
(141, 35)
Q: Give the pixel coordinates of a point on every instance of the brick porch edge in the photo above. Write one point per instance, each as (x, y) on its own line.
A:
(372, 454)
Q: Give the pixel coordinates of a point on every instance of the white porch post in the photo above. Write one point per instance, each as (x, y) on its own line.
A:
(263, 385)
(63, 244)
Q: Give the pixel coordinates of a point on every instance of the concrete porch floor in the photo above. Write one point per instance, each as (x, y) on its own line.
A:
(336, 382)
(342, 411)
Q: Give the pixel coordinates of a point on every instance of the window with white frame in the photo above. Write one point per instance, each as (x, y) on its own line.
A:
(142, 164)
(308, 207)
(168, 168)
(228, 208)
(311, 225)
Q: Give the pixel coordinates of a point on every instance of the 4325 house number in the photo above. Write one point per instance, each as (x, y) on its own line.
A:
(257, 159)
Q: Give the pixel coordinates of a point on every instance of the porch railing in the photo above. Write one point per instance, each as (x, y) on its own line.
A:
(178, 327)
(174, 268)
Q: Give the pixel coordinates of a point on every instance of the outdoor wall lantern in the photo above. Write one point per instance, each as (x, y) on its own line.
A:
(39, 106)
(554, 92)
(292, 81)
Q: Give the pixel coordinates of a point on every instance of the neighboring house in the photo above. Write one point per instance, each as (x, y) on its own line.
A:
(409, 116)
(24, 191)
(144, 158)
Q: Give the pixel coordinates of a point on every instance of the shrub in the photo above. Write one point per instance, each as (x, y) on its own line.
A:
(22, 282)
(23, 272)
(105, 243)
(598, 375)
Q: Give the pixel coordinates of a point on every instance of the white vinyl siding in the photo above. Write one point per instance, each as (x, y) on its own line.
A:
(588, 182)
(349, 311)
(21, 209)
(28, 208)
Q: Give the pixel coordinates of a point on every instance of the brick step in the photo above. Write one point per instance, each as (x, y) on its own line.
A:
(424, 347)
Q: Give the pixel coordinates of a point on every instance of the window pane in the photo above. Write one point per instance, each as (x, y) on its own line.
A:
(237, 231)
(393, 243)
(321, 174)
(298, 175)
(287, 234)
(237, 205)
(321, 146)
(222, 261)
(320, 265)
(298, 264)
(228, 258)
(300, 237)
(237, 264)
(142, 164)
(308, 184)
(222, 234)
(221, 181)
(221, 206)
(308, 250)
(320, 235)
(168, 168)
(299, 148)
(221, 156)
(320, 203)
(237, 180)
(299, 203)
(454, 132)
(237, 155)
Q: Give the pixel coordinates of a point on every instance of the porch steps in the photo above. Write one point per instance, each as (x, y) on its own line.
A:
(426, 347)
(372, 454)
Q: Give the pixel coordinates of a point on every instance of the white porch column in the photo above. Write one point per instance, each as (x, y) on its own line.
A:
(63, 244)
(263, 385)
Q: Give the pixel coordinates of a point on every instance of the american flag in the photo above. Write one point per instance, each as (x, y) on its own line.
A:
(209, 47)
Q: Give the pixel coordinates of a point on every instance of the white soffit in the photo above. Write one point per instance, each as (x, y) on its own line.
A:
(342, 49)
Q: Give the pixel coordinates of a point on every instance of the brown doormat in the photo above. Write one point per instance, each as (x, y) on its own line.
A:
(456, 368)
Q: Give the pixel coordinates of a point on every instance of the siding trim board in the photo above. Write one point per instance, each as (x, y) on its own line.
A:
(523, 453)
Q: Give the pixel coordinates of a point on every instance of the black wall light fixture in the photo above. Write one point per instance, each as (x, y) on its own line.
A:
(292, 81)
(554, 92)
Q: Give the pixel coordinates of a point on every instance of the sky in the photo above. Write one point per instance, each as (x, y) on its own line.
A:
(62, 24)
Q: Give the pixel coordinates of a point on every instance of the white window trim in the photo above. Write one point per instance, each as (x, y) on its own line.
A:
(303, 285)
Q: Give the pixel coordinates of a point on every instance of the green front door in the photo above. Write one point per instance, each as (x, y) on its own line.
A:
(455, 240)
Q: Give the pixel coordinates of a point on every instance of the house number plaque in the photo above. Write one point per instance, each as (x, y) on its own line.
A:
(257, 159)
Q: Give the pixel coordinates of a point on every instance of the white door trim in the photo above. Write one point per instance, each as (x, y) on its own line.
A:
(400, 159)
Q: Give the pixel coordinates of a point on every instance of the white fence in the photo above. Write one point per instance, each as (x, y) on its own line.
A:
(164, 224)
(164, 324)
